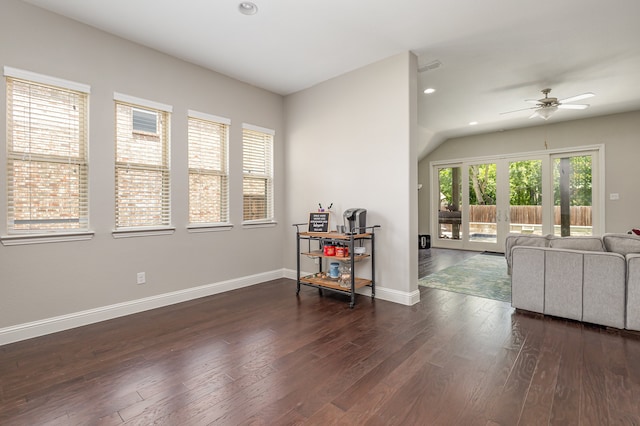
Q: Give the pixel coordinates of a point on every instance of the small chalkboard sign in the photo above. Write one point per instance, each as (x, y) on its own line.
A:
(319, 222)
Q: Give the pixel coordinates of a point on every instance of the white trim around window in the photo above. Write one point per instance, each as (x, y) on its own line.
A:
(121, 97)
(58, 148)
(255, 128)
(258, 209)
(142, 232)
(45, 79)
(208, 117)
(142, 171)
(208, 169)
(19, 240)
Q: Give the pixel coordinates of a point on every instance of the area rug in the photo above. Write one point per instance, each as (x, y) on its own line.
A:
(482, 275)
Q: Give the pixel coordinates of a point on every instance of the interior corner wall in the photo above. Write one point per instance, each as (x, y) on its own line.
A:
(619, 133)
(43, 281)
(350, 142)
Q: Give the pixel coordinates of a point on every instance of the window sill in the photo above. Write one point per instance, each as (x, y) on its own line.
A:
(22, 239)
(217, 227)
(265, 224)
(142, 232)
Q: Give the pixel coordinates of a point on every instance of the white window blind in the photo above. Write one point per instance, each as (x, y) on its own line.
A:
(257, 182)
(208, 175)
(47, 161)
(142, 166)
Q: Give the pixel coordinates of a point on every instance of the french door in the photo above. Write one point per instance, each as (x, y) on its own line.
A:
(476, 203)
(467, 213)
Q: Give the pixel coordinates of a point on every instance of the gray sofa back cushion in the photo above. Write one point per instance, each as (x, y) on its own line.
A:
(621, 243)
(527, 240)
(577, 243)
(532, 240)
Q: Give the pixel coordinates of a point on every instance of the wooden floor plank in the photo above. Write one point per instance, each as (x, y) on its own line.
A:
(594, 386)
(262, 355)
(539, 400)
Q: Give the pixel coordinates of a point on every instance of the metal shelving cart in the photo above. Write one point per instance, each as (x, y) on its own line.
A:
(320, 280)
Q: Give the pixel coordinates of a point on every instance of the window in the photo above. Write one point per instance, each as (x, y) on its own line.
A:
(142, 163)
(208, 178)
(257, 181)
(47, 168)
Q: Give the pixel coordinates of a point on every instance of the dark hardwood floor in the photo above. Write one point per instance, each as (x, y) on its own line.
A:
(260, 355)
(435, 259)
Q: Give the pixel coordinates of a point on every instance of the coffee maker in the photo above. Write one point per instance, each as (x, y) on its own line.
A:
(355, 220)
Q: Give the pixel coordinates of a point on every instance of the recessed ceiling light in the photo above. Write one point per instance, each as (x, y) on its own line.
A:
(473, 123)
(429, 91)
(248, 8)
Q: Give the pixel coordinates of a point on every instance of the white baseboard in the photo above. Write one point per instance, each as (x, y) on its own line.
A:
(396, 296)
(64, 322)
(383, 293)
(33, 329)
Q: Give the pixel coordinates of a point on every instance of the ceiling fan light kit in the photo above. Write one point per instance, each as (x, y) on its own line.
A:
(546, 106)
(544, 112)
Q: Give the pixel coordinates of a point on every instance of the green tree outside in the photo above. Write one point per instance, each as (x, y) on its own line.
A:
(525, 181)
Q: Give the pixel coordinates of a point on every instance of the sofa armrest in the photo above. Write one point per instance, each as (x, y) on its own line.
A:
(633, 292)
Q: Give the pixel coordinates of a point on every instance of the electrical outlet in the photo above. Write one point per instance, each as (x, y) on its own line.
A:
(141, 278)
(316, 261)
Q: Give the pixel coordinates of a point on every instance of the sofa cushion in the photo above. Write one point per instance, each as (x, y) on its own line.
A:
(621, 243)
(603, 289)
(527, 280)
(527, 240)
(563, 273)
(532, 240)
(577, 243)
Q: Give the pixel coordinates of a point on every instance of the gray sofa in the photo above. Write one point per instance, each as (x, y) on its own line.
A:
(590, 279)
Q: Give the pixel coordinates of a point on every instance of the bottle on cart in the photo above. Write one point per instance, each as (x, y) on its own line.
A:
(345, 276)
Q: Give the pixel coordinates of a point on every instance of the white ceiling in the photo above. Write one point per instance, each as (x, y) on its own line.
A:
(494, 53)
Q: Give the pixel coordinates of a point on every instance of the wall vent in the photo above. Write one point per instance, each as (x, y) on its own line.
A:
(430, 66)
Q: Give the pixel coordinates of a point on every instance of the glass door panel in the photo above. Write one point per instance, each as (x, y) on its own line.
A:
(450, 206)
(483, 226)
(525, 197)
(481, 200)
(572, 195)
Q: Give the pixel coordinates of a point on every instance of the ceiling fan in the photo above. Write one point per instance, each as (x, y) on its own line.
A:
(546, 106)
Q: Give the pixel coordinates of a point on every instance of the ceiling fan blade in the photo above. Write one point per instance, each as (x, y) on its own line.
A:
(532, 101)
(518, 110)
(573, 106)
(577, 97)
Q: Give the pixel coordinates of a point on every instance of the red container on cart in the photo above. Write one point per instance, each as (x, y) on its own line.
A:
(342, 251)
(329, 250)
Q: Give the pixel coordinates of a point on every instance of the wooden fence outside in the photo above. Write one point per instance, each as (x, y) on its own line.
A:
(580, 215)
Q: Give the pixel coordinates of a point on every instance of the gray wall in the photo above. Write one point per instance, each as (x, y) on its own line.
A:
(619, 133)
(351, 141)
(47, 280)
